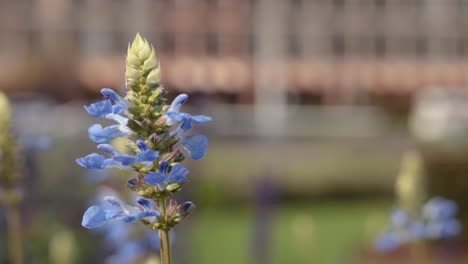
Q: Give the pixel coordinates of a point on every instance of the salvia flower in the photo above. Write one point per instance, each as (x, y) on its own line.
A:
(436, 221)
(96, 216)
(162, 178)
(159, 138)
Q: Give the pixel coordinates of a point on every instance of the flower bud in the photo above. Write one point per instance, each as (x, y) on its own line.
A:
(186, 208)
(151, 62)
(154, 77)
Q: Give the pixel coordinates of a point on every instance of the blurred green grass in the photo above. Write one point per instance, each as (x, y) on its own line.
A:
(329, 232)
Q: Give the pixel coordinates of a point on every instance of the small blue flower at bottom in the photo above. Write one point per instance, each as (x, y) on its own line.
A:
(96, 216)
(162, 178)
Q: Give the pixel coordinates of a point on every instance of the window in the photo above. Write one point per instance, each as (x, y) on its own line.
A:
(421, 46)
(167, 42)
(338, 45)
(294, 45)
(211, 43)
(380, 45)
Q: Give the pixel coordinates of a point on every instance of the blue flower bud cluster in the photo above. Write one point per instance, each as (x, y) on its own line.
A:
(159, 139)
(436, 221)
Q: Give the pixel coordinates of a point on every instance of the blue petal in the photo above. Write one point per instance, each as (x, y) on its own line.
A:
(175, 117)
(149, 155)
(388, 242)
(440, 209)
(127, 253)
(154, 178)
(196, 146)
(115, 97)
(140, 215)
(148, 204)
(186, 119)
(118, 118)
(450, 229)
(177, 174)
(92, 161)
(99, 109)
(126, 160)
(94, 217)
(201, 119)
(399, 217)
(116, 202)
(142, 145)
(108, 149)
(417, 230)
(180, 100)
(163, 167)
(98, 134)
(117, 109)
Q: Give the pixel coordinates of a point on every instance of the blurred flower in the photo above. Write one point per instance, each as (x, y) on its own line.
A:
(436, 221)
(439, 209)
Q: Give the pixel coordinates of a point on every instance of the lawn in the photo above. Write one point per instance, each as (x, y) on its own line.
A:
(323, 233)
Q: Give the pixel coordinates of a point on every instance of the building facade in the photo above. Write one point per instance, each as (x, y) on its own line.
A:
(336, 48)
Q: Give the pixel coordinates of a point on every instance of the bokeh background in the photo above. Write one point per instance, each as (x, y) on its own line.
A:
(314, 102)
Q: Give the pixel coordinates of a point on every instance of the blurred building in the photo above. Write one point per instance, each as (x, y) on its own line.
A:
(332, 50)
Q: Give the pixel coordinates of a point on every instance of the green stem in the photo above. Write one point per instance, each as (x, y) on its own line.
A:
(14, 235)
(165, 247)
(164, 239)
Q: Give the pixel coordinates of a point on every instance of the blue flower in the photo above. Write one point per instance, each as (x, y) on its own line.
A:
(388, 241)
(174, 116)
(98, 134)
(399, 217)
(96, 216)
(99, 109)
(440, 209)
(443, 229)
(161, 177)
(145, 155)
(187, 120)
(115, 97)
(97, 161)
(180, 100)
(127, 253)
(195, 145)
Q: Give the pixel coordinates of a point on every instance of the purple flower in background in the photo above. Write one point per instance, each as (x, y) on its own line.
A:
(440, 209)
(440, 214)
(388, 241)
(436, 221)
